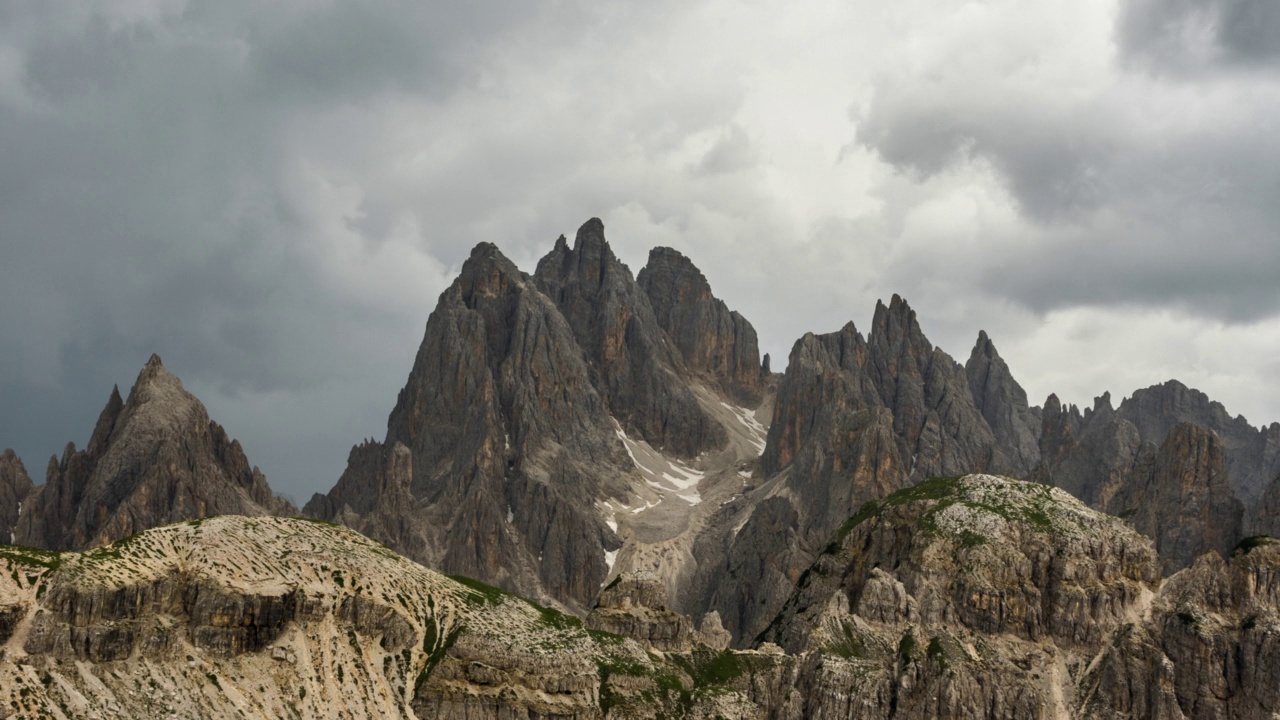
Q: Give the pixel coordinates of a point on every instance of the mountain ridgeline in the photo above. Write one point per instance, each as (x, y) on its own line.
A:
(614, 446)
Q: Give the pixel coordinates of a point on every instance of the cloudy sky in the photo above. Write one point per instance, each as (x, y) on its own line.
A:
(272, 195)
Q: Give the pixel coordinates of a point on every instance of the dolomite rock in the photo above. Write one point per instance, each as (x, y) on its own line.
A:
(1252, 454)
(152, 460)
(636, 367)
(634, 605)
(712, 338)
(1265, 518)
(963, 597)
(1210, 647)
(1003, 404)
(1184, 500)
(15, 486)
(498, 447)
(270, 617)
(856, 420)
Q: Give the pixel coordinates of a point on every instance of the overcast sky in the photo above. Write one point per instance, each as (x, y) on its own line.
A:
(272, 195)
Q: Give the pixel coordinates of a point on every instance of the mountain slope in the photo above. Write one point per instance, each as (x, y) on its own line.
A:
(15, 486)
(154, 459)
(712, 338)
(636, 367)
(987, 597)
(855, 420)
(274, 617)
(498, 447)
(551, 433)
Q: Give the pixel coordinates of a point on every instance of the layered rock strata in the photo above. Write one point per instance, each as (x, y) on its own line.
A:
(550, 419)
(272, 617)
(986, 597)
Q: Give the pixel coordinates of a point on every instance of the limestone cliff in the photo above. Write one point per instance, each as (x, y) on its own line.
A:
(1182, 499)
(1208, 648)
(498, 448)
(273, 618)
(1003, 404)
(153, 459)
(986, 597)
(636, 367)
(855, 420)
(15, 486)
(712, 338)
(1252, 454)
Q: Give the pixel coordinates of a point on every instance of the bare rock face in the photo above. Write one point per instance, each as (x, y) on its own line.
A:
(1265, 519)
(839, 450)
(1253, 454)
(1209, 648)
(1184, 500)
(636, 367)
(855, 420)
(272, 617)
(152, 460)
(1003, 404)
(497, 449)
(963, 597)
(15, 486)
(712, 338)
(934, 413)
(1176, 490)
(991, 554)
(634, 605)
(1092, 455)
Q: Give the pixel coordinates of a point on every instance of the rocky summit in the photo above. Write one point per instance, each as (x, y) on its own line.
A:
(877, 531)
(152, 459)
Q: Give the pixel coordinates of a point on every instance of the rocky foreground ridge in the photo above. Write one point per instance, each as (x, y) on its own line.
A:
(961, 597)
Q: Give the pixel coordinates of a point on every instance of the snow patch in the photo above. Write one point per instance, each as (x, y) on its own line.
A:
(663, 474)
(758, 432)
(610, 557)
(510, 515)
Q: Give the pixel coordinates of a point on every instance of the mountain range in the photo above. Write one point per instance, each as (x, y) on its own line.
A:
(613, 446)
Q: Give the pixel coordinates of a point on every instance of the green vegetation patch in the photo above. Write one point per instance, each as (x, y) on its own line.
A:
(907, 648)
(711, 668)
(1253, 542)
(479, 593)
(33, 557)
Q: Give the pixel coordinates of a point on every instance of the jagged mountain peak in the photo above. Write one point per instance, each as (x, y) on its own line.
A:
(1003, 404)
(152, 459)
(486, 273)
(896, 322)
(636, 366)
(590, 261)
(711, 338)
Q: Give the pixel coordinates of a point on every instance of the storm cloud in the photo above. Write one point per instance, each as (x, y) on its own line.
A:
(272, 196)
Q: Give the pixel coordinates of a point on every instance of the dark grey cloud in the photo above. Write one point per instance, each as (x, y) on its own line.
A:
(272, 196)
(158, 194)
(1142, 191)
(1195, 36)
